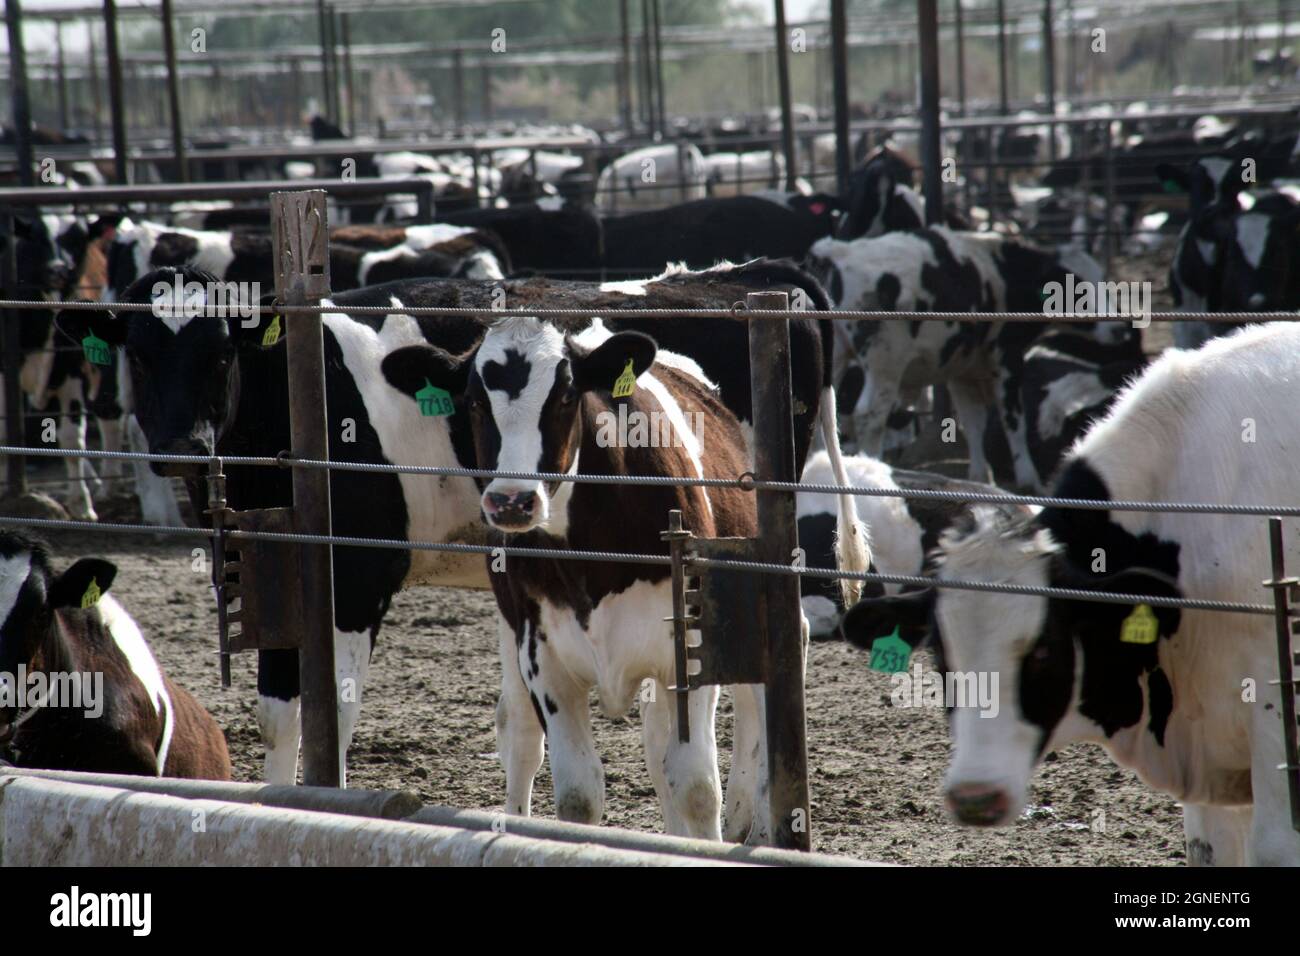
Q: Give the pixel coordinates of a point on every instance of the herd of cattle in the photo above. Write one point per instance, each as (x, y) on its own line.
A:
(1083, 410)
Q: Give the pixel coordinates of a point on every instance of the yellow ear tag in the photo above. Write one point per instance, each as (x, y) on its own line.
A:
(272, 333)
(1140, 627)
(625, 384)
(91, 597)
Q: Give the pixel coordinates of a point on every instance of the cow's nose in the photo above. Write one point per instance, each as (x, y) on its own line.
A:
(507, 509)
(978, 804)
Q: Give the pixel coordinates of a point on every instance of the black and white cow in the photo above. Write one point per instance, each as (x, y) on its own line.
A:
(110, 708)
(208, 385)
(881, 197)
(540, 398)
(1067, 382)
(1181, 696)
(1261, 256)
(940, 270)
(903, 530)
(245, 255)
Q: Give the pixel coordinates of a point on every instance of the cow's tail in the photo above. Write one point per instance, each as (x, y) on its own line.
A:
(852, 548)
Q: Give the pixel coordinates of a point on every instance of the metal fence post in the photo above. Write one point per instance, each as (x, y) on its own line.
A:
(11, 339)
(1282, 586)
(301, 260)
(787, 754)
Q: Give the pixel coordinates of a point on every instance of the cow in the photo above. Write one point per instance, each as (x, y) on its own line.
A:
(540, 395)
(1067, 382)
(651, 177)
(704, 232)
(881, 198)
(563, 243)
(1183, 696)
(940, 270)
(903, 530)
(1261, 256)
(115, 710)
(244, 256)
(739, 174)
(209, 385)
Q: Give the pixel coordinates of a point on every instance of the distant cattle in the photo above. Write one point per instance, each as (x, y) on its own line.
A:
(1261, 256)
(564, 243)
(651, 177)
(939, 270)
(903, 530)
(1163, 689)
(110, 708)
(738, 174)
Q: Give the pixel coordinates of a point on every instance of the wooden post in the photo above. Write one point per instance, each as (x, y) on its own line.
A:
(787, 754)
(301, 261)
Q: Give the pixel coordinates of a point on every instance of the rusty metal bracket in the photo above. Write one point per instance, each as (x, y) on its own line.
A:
(731, 617)
(682, 619)
(219, 513)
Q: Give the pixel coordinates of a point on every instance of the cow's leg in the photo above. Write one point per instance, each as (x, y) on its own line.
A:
(520, 738)
(351, 667)
(1216, 836)
(879, 396)
(747, 814)
(1272, 841)
(692, 768)
(279, 714)
(110, 433)
(967, 400)
(560, 703)
(656, 726)
(72, 435)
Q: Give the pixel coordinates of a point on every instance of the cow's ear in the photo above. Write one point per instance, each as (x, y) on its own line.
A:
(83, 583)
(263, 328)
(909, 614)
(105, 227)
(80, 324)
(1173, 178)
(604, 365)
(415, 367)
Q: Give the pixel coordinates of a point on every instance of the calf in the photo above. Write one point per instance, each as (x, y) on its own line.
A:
(62, 631)
(538, 395)
(903, 530)
(1162, 689)
(942, 270)
(1261, 256)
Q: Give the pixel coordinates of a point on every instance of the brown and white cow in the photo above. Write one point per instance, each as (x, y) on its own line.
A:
(79, 687)
(541, 399)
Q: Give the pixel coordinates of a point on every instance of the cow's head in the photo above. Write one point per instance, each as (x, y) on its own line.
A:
(1261, 257)
(30, 593)
(524, 387)
(182, 365)
(1206, 181)
(1066, 670)
(871, 190)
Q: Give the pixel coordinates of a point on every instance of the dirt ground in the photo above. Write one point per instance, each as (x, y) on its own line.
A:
(427, 726)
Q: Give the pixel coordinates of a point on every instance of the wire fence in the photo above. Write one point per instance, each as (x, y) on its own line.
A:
(745, 482)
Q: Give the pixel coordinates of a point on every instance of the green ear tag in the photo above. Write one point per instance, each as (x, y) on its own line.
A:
(890, 653)
(1171, 186)
(96, 350)
(91, 597)
(272, 333)
(434, 402)
(1140, 627)
(625, 384)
